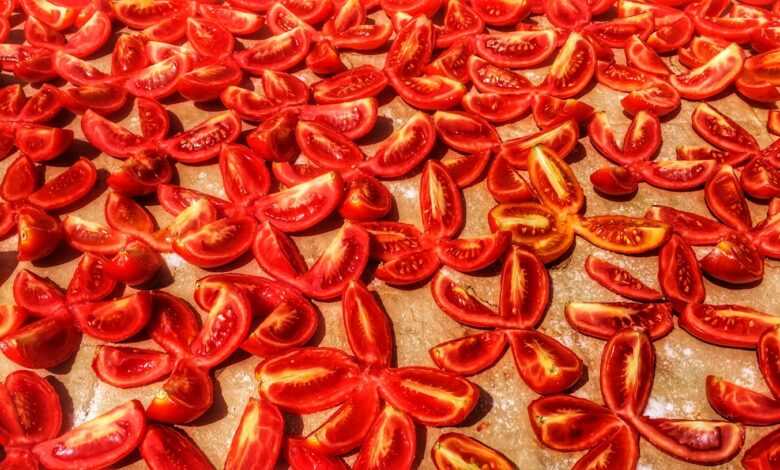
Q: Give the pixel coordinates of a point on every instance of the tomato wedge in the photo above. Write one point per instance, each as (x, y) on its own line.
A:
(568, 423)
(489, 78)
(354, 119)
(303, 206)
(110, 138)
(560, 139)
(128, 367)
(454, 450)
(621, 234)
(573, 67)
(185, 396)
(163, 447)
(36, 294)
(604, 320)
(157, 80)
(280, 52)
(711, 78)
(391, 441)
(115, 320)
(516, 49)
(359, 82)
(428, 92)
(258, 437)
(627, 370)
(405, 149)
(721, 131)
(619, 280)
(203, 142)
(470, 355)
(545, 365)
(39, 234)
(349, 425)
(441, 202)
(465, 132)
(740, 404)
(343, 261)
(327, 148)
(716, 441)
(726, 325)
(554, 181)
(67, 187)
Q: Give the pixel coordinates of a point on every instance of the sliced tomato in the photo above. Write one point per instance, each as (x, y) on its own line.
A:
(157, 80)
(627, 370)
(171, 29)
(768, 348)
(641, 142)
(619, 280)
(208, 82)
(43, 106)
(545, 365)
(720, 130)
(281, 20)
(760, 178)
(11, 318)
(303, 206)
(103, 99)
(726, 325)
(39, 234)
(290, 324)
(621, 77)
(621, 234)
(734, 260)
(244, 175)
(391, 239)
(129, 54)
(185, 396)
(42, 344)
(365, 198)
(327, 148)
(429, 92)
(740, 404)
(560, 139)
(405, 149)
(90, 281)
(573, 67)
(489, 78)
(141, 174)
(501, 12)
(516, 49)
(359, 82)
(466, 170)
(701, 442)
(349, 425)
(67, 187)
(616, 33)
(280, 52)
(695, 229)
(135, 263)
(550, 111)
(473, 254)
(20, 179)
(470, 355)
(497, 108)
(251, 106)
(568, 423)
(454, 449)
(568, 14)
(614, 181)
(176, 199)
(36, 408)
(115, 320)
(441, 202)
(643, 57)
(620, 451)
(54, 16)
(110, 138)
(411, 49)
(353, 119)
(465, 132)
(164, 446)
(174, 325)
(203, 142)
(323, 59)
(460, 21)
(258, 437)
(278, 255)
(126, 215)
(507, 184)
(42, 143)
(534, 226)
(711, 78)
(463, 306)
(343, 261)
(763, 454)
(140, 15)
(128, 367)
(368, 328)
(391, 441)
(554, 181)
(209, 38)
(217, 243)
(604, 320)
(234, 20)
(725, 199)
(659, 98)
(36, 294)
(452, 63)
(677, 175)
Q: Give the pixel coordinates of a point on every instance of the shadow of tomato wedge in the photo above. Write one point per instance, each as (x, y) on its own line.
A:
(128, 367)
(701, 442)
(604, 320)
(99, 442)
(258, 438)
(470, 355)
(546, 365)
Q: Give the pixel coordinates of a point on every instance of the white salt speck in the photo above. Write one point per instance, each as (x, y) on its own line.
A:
(644, 466)
(95, 404)
(173, 260)
(688, 408)
(658, 409)
(687, 352)
(747, 377)
(410, 192)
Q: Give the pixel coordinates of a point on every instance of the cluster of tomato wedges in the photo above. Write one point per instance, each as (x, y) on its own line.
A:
(441, 57)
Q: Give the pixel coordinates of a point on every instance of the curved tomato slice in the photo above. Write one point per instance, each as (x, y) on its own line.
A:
(251, 106)
(619, 280)
(185, 396)
(627, 370)
(36, 407)
(354, 119)
(701, 442)
(392, 239)
(308, 380)
(466, 170)
(677, 175)
(359, 82)
(51, 14)
(244, 175)
(568, 14)
(496, 107)
(640, 143)
(568, 423)
(544, 364)
(141, 174)
(103, 99)
(157, 80)
(110, 138)
(274, 139)
(367, 326)
(204, 141)
(42, 143)
(343, 261)
(554, 181)
(621, 234)
(303, 206)
(278, 255)
(209, 38)
(391, 441)
(217, 243)
(678, 273)
(506, 184)
(725, 199)
(621, 451)
(174, 325)
(170, 30)
(92, 237)
(412, 48)
(39, 295)
(455, 450)
(605, 320)
(560, 139)
(726, 325)
(42, 344)
(164, 447)
(405, 149)
(489, 78)
(768, 353)
(126, 215)
(711, 78)
(471, 354)
(128, 367)
(234, 20)
(617, 32)
(461, 305)
(135, 263)
(534, 226)
(693, 228)
(290, 324)
(573, 67)
(280, 52)
(550, 111)
(325, 147)
(115, 320)
(140, 15)
(129, 54)
(258, 437)
(452, 63)
(621, 77)
(224, 328)
(501, 12)
(740, 404)
(658, 98)
(473, 254)
(11, 318)
(465, 132)
(99, 442)
(43, 106)
(39, 234)
(721, 131)
(643, 57)
(346, 428)
(525, 290)
(432, 397)
(760, 178)
(460, 21)
(516, 49)
(441, 203)
(323, 59)
(208, 82)
(764, 453)
(77, 71)
(429, 92)
(735, 260)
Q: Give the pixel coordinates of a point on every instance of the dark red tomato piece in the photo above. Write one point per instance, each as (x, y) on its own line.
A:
(185, 396)
(617, 32)
(711, 78)
(453, 449)
(36, 406)
(42, 143)
(677, 175)
(77, 71)
(244, 175)
(35, 65)
(327, 148)
(157, 80)
(546, 365)
(507, 184)
(129, 54)
(643, 57)
(659, 98)
(549, 111)
(353, 119)
(621, 77)
(640, 143)
(303, 206)
(701, 442)
(365, 198)
(174, 325)
(501, 12)
(90, 281)
(471, 354)
(258, 437)
(725, 199)
(720, 130)
(554, 181)
(115, 320)
(323, 59)
(466, 170)
(619, 280)
(209, 38)
(280, 52)
(224, 328)
(284, 88)
(410, 7)
(208, 82)
(760, 178)
(465, 132)
(368, 328)
(525, 290)
(452, 63)
(203, 142)
(170, 30)
(627, 370)
(307, 380)
(364, 37)
(619, 451)
(568, 14)
(140, 16)
(460, 21)
(274, 139)
(20, 179)
(497, 108)
(604, 320)
(36, 294)
(560, 139)
(43, 344)
(92, 237)
(127, 216)
(405, 149)
(614, 181)
(236, 21)
(391, 239)
(135, 263)
(11, 318)
(568, 423)
(163, 447)
(110, 138)
(768, 351)
(489, 78)
(281, 20)
(740, 404)
(310, 12)
(409, 268)
(726, 325)
(249, 105)
(67, 187)
(43, 106)
(141, 174)
(695, 229)
(350, 13)
(216, 243)
(441, 202)
(90, 37)
(764, 453)
(39, 234)
(359, 82)
(412, 48)
(128, 367)
(516, 49)
(290, 324)
(734, 260)
(103, 99)
(301, 456)
(391, 441)
(54, 16)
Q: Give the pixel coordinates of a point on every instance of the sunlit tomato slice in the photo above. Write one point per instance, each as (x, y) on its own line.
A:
(768, 352)
(128, 367)
(641, 141)
(549, 111)
(428, 92)
(453, 61)
(359, 82)
(174, 325)
(711, 78)
(545, 365)
(43, 106)
(460, 21)
(129, 54)
(489, 78)
(54, 16)
(141, 174)
(621, 234)
(617, 32)
(695, 229)
(525, 290)
(734, 260)
(466, 170)
(471, 354)
(463, 306)
(280, 52)
(763, 454)
(323, 59)
(391, 441)
(534, 226)
(346, 428)
(164, 446)
(217, 243)
(496, 107)
(473, 254)
(568, 14)
(554, 181)
(391, 239)
(627, 370)
(568, 423)
(342, 261)
(302, 206)
(720, 130)
(67, 187)
(623, 77)
(290, 324)
(42, 143)
(604, 320)
(454, 450)
(760, 178)
(573, 67)
(308, 380)
(325, 147)
(204, 141)
(365, 198)
(658, 98)
(406, 148)
(643, 57)
(11, 318)
(110, 138)
(501, 12)
(441, 202)
(701, 442)
(37, 294)
(103, 99)
(176, 199)
(126, 215)
(135, 263)
(39, 234)
(740, 404)
(140, 15)
(20, 179)
(284, 88)
(184, 397)
(208, 82)
(258, 438)
(278, 255)
(726, 325)
(465, 132)
(368, 328)
(620, 451)
(115, 320)
(42, 344)
(679, 275)
(244, 175)
(353, 119)
(234, 20)
(209, 38)
(619, 280)
(560, 139)
(281, 20)
(516, 49)
(35, 65)
(250, 105)
(36, 410)
(677, 175)
(157, 80)
(725, 199)
(99, 442)
(431, 396)
(506, 184)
